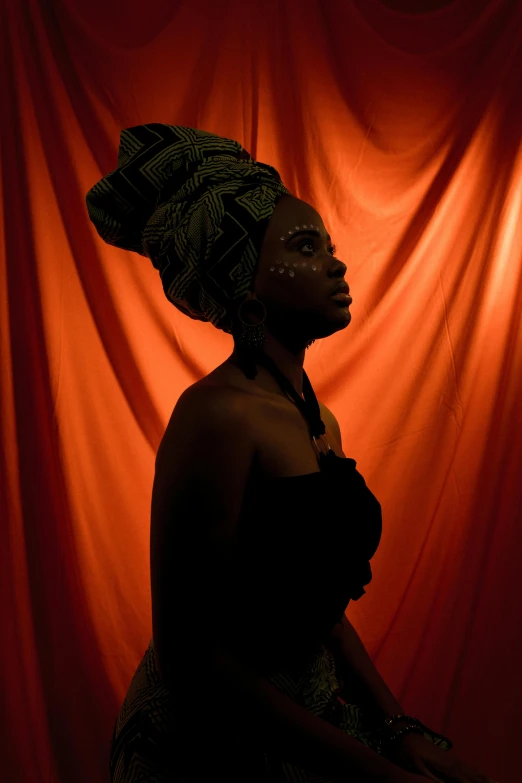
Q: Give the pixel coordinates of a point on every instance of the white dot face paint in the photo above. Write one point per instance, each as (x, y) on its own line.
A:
(305, 226)
(282, 264)
(290, 271)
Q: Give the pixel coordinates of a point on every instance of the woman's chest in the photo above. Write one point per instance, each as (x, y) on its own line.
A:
(283, 442)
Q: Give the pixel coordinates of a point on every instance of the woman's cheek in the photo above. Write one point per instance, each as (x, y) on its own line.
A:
(292, 269)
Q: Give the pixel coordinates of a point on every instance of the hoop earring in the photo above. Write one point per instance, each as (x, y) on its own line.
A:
(251, 336)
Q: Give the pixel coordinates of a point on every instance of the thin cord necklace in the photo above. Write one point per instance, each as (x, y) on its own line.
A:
(309, 406)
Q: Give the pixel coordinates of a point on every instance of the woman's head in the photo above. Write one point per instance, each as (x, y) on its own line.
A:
(295, 278)
(197, 205)
(219, 225)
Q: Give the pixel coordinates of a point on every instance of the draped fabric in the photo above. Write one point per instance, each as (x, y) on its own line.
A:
(401, 123)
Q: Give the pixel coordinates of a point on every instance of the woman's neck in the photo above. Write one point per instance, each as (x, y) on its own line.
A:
(290, 365)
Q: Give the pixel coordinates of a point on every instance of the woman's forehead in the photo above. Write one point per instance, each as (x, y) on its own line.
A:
(290, 214)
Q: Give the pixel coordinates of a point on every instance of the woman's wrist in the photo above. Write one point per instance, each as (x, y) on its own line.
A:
(395, 727)
(390, 740)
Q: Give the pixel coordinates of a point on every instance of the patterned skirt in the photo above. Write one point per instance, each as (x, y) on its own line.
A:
(144, 747)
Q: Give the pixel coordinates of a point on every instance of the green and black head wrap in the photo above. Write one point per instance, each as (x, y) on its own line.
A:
(197, 205)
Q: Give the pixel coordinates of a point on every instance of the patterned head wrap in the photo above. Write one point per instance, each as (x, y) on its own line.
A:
(197, 205)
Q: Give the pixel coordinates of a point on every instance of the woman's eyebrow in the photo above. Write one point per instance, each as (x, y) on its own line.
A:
(313, 231)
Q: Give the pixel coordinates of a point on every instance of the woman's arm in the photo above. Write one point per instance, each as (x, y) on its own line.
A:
(299, 735)
(202, 470)
(372, 692)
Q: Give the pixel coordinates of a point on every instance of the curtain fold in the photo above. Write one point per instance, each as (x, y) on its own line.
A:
(401, 123)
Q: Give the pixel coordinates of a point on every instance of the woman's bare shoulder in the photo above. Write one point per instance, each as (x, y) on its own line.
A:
(210, 397)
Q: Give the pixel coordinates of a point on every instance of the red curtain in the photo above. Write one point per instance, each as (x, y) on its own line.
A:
(401, 123)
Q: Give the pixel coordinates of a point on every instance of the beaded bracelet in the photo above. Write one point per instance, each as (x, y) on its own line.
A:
(395, 718)
(391, 738)
(414, 724)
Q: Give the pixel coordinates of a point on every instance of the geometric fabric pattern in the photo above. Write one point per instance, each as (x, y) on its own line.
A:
(145, 748)
(197, 205)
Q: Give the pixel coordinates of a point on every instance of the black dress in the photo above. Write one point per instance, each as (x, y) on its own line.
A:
(304, 546)
(305, 543)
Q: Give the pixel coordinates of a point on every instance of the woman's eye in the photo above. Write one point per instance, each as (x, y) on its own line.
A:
(331, 248)
(309, 243)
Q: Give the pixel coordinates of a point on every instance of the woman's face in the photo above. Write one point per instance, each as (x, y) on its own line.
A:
(297, 274)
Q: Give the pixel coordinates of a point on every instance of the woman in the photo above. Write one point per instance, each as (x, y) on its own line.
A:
(262, 529)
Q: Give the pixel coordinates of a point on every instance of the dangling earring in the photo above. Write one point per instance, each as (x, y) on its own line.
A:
(251, 336)
(250, 340)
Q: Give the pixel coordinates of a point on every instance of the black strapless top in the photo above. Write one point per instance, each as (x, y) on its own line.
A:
(305, 543)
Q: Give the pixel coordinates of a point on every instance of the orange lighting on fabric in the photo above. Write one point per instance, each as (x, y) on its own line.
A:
(402, 126)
